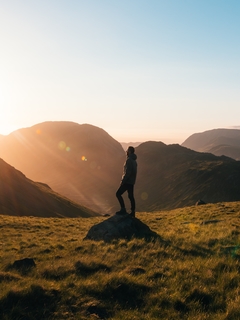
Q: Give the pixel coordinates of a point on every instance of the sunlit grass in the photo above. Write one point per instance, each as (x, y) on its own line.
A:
(191, 272)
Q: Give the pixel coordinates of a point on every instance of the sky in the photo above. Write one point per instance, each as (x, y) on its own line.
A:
(139, 69)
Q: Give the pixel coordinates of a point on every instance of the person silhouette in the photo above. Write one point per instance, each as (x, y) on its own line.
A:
(128, 181)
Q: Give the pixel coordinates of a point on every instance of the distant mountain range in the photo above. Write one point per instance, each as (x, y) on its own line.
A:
(217, 141)
(20, 196)
(125, 145)
(172, 176)
(84, 163)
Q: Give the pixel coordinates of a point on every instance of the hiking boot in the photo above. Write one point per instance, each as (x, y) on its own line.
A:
(122, 211)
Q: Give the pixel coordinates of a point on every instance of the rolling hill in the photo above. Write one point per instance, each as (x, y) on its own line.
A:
(217, 141)
(20, 196)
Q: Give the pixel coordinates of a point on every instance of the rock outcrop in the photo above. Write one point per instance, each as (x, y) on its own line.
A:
(120, 227)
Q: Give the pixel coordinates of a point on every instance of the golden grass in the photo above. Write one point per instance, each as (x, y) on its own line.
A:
(191, 272)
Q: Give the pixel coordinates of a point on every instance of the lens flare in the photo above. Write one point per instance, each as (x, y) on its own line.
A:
(38, 131)
(84, 158)
(62, 145)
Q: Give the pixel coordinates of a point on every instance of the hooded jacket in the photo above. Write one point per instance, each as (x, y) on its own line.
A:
(130, 169)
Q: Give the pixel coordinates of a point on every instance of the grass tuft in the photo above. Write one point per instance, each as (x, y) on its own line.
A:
(87, 269)
(31, 303)
(121, 293)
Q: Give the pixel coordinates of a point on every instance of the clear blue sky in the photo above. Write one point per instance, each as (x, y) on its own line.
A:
(141, 70)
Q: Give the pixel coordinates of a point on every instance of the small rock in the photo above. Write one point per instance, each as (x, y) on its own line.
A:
(23, 264)
(137, 271)
(200, 202)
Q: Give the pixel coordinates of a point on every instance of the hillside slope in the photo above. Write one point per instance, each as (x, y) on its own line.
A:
(172, 176)
(20, 196)
(81, 162)
(218, 141)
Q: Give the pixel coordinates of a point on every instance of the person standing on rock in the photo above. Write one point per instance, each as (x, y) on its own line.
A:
(128, 181)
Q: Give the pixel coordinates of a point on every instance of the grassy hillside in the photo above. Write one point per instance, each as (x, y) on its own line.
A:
(192, 272)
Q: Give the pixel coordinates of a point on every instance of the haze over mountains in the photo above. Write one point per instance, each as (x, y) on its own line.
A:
(84, 163)
(174, 176)
(81, 162)
(20, 196)
(217, 141)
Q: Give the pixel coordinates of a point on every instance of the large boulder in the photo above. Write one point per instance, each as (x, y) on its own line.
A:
(120, 227)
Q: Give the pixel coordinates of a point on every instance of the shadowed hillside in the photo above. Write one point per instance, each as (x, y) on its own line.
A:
(218, 141)
(172, 176)
(81, 162)
(20, 196)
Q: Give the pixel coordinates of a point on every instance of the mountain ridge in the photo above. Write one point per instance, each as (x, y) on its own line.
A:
(217, 141)
(172, 176)
(84, 163)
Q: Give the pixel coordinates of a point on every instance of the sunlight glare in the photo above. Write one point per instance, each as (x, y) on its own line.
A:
(63, 146)
(6, 129)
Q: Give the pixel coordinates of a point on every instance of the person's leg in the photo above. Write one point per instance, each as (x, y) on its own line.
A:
(130, 190)
(119, 193)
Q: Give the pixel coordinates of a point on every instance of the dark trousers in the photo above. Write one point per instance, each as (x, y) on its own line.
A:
(123, 188)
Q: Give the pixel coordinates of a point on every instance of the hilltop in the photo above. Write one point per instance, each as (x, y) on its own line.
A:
(20, 196)
(217, 141)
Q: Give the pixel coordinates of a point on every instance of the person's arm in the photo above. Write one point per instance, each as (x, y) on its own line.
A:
(128, 171)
